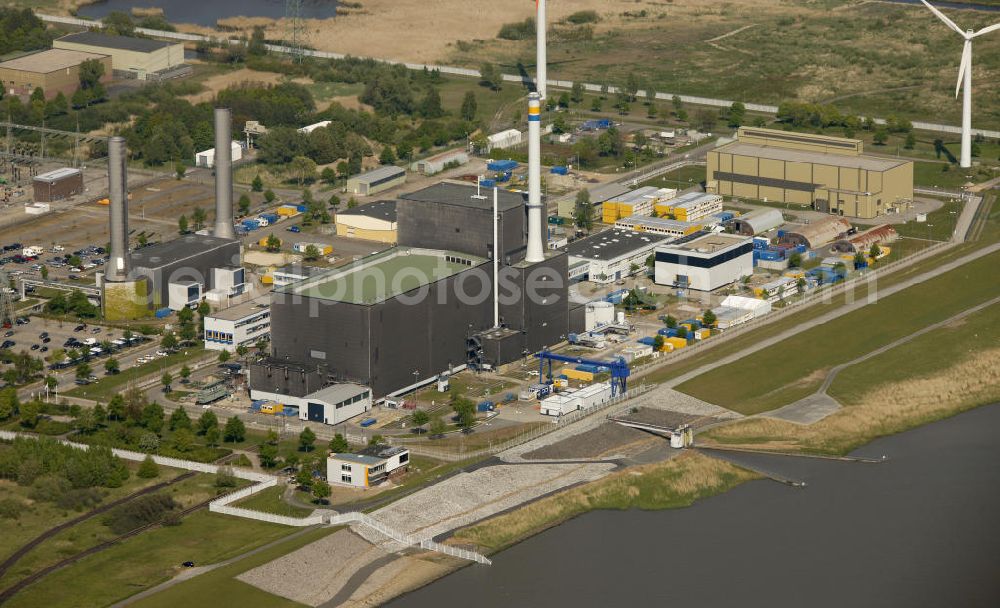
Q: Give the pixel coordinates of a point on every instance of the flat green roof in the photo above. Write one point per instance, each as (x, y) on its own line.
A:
(378, 277)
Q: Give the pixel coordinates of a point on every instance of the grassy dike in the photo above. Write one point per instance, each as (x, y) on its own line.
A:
(669, 485)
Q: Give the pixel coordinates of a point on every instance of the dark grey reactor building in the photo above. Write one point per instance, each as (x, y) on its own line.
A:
(402, 316)
(188, 258)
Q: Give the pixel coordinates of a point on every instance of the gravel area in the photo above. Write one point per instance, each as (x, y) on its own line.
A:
(470, 497)
(592, 443)
(667, 418)
(315, 573)
(663, 398)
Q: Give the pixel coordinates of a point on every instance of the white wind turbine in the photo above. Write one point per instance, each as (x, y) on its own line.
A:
(964, 80)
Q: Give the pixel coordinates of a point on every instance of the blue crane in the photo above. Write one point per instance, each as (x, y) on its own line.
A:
(618, 368)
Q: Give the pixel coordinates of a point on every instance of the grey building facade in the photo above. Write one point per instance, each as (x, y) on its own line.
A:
(188, 258)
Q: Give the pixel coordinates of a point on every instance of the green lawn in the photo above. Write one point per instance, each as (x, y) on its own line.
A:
(796, 367)
(149, 559)
(942, 175)
(324, 91)
(108, 386)
(221, 587)
(939, 226)
(682, 178)
(93, 531)
(921, 357)
(269, 501)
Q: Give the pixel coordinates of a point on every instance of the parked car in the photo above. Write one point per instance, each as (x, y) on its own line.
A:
(294, 229)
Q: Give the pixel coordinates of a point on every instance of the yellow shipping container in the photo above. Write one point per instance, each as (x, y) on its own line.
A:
(702, 333)
(272, 408)
(676, 342)
(287, 210)
(795, 274)
(267, 279)
(575, 374)
(667, 347)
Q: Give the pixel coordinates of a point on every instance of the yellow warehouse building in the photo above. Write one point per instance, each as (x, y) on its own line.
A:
(831, 174)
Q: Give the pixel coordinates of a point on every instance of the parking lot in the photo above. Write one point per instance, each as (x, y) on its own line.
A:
(42, 338)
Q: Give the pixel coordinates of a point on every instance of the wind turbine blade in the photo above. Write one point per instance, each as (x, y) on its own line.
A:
(987, 30)
(943, 17)
(965, 65)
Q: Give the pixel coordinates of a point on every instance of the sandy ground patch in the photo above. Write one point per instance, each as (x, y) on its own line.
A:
(223, 81)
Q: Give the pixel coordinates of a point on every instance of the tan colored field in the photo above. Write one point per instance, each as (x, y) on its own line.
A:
(217, 83)
(887, 409)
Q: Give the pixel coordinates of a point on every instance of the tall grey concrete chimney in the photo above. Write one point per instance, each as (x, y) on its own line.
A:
(118, 259)
(224, 174)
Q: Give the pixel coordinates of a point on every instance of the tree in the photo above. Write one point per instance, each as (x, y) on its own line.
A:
(430, 106)
(198, 217)
(874, 251)
(116, 408)
(183, 440)
(469, 107)
(490, 76)
(304, 168)
(83, 371)
(737, 114)
(583, 211)
(273, 243)
(29, 412)
(881, 136)
(386, 156)
(235, 430)
(242, 350)
(212, 436)
(338, 444)
(185, 374)
(576, 93)
(148, 469)
(179, 170)
(152, 417)
(269, 196)
(911, 141)
(307, 440)
(182, 224)
(179, 420)
(859, 260)
(169, 341)
(224, 356)
(682, 332)
(244, 204)
(658, 342)
(44, 271)
(207, 421)
(437, 426)
(8, 402)
(257, 185)
(708, 318)
(111, 366)
(304, 478)
(420, 418)
(795, 260)
(321, 490)
(268, 455)
(166, 379)
(311, 252)
(375, 440)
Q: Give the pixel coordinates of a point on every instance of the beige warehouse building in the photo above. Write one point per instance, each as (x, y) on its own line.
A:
(130, 57)
(55, 71)
(372, 222)
(832, 174)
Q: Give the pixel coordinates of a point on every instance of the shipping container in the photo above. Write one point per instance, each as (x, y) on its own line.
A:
(649, 341)
(487, 183)
(367, 422)
(576, 374)
(676, 342)
(501, 165)
(703, 333)
(668, 332)
(162, 313)
(288, 210)
(559, 170)
(485, 406)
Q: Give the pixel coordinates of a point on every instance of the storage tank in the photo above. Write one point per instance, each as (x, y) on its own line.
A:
(597, 314)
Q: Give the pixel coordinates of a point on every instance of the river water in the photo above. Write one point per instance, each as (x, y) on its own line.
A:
(207, 12)
(921, 529)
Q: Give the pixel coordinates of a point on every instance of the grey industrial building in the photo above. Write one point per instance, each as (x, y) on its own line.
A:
(377, 180)
(188, 258)
(395, 318)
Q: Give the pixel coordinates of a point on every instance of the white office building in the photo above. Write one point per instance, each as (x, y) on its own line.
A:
(704, 262)
(368, 469)
(611, 255)
(206, 158)
(243, 324)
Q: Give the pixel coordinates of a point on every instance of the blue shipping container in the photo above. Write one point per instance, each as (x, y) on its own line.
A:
(485, 406)
(162, 313)
(487, 183)
(560, 170)
(270, 217)
(501, 165)
(647, 341)
(367, 422)
(301, 208)
(669, 332)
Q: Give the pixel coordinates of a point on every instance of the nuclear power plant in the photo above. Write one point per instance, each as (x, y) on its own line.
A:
(175, 273)
(471, 283)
